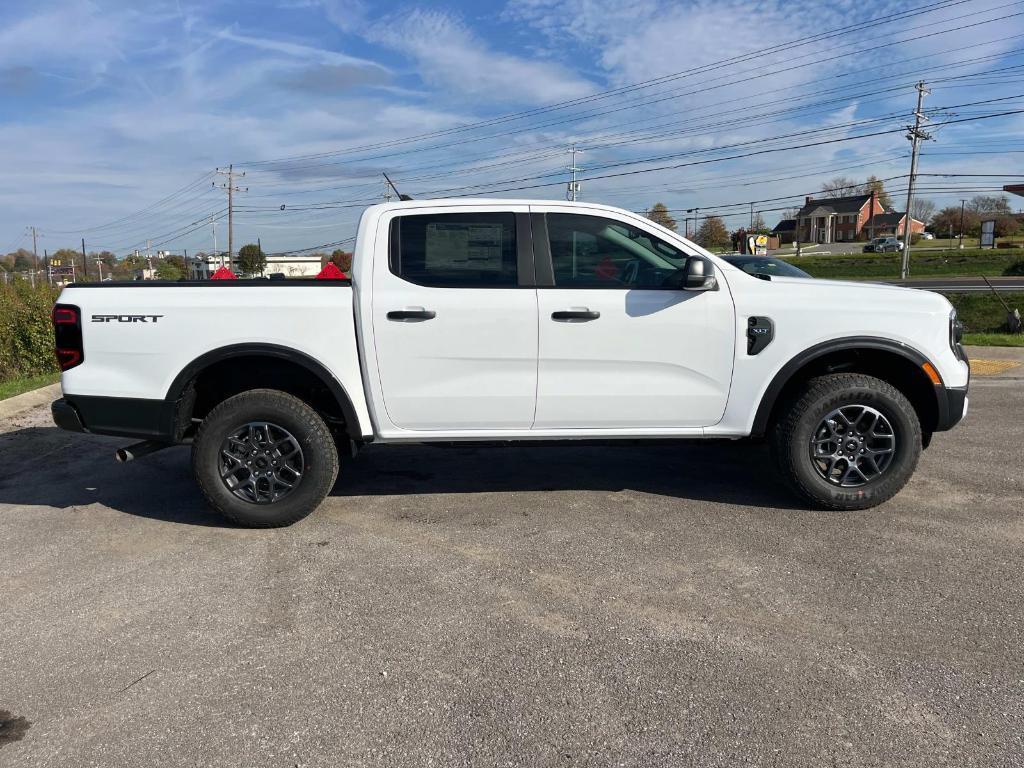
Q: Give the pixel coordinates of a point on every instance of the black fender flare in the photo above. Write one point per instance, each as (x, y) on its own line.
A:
(778, 383)
(188, 374)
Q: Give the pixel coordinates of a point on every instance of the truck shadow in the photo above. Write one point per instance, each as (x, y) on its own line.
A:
(716, 471)
(49, 468)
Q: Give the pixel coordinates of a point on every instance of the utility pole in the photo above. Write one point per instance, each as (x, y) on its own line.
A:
(85, 263)
(387, 190)
(35, 253)
(962, 204)
(751, 215)
(696, 218)
(99, 267)
(916, 135)
(229, 185)
(213, 222)
(573, 190)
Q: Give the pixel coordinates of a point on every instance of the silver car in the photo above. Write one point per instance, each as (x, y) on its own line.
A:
(884, 245)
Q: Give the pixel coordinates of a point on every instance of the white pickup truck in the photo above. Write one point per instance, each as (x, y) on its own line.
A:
(500, 320)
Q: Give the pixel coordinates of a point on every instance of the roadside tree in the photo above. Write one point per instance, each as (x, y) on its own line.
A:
(342, 260)
(922, 209)
(659, 214)
(251, 260)
(875, 184)
(168, 270)
(713, 234)
(840, 186)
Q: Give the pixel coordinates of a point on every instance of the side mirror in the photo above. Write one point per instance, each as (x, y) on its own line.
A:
(700, 275)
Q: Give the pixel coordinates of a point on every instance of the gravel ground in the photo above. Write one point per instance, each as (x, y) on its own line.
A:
(664, 605)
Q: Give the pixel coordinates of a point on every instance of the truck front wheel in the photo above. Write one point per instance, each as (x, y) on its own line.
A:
(847, 441)
(264, 459)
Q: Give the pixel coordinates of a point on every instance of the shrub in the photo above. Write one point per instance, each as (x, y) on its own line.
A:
(26, 335)
(1017, 268)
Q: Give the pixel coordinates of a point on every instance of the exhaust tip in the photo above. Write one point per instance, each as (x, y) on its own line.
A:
(123, 455)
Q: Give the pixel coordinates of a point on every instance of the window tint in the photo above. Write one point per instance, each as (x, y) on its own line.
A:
(468, 250)
(594, 252)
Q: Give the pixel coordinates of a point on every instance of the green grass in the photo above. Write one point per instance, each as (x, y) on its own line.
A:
(994, 339)
(18, 386)
(875, 266)
(982, 313)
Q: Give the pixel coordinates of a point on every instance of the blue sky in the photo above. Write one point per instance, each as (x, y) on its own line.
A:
(113, 115)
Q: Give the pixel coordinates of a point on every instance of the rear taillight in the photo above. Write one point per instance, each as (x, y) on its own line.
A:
(67, 334)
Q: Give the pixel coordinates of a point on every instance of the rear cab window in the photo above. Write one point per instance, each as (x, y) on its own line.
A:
(455, 250)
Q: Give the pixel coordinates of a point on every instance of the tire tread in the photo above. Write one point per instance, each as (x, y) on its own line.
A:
(301, 412)
(793, 411)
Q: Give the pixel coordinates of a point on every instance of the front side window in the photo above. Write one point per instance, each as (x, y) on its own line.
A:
(455, 250)
(594, 252)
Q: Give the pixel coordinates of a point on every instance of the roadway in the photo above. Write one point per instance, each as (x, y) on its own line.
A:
(659, 606)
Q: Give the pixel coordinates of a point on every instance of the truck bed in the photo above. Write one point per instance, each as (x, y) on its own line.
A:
(142, 340)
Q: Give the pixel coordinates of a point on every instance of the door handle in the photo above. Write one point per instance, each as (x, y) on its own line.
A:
(411, 315)
(575, 315)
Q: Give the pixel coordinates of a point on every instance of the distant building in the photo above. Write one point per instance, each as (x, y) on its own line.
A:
(292, 265)
(856, 217)
(892, 223)
(836, 219)
(201, 267)
(785, 230)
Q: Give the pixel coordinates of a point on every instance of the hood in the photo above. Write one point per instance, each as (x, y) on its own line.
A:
(848, 290)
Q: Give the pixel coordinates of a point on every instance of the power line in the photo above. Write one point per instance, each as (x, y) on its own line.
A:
(757, 74)
(787, 47)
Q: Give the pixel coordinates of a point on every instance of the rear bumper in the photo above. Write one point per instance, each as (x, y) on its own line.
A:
(65, 416)
(120, 416)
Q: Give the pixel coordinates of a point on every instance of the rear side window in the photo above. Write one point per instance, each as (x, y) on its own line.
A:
(455, 250)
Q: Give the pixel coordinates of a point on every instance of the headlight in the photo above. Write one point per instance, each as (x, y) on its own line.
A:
(956, 332)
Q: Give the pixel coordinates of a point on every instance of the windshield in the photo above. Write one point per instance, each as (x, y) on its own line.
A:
(764, 265)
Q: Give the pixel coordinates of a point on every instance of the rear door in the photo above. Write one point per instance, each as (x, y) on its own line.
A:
(618, 350)
(455, 320)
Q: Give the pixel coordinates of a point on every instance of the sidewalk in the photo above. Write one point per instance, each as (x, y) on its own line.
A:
(23, 402)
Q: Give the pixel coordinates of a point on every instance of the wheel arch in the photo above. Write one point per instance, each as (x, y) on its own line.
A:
(183, 393)
(899, 364)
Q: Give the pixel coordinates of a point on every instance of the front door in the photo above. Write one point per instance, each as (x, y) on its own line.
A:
(617, 349)
(455, 335)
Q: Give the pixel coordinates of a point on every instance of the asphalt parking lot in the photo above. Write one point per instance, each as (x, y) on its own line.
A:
(664, 605)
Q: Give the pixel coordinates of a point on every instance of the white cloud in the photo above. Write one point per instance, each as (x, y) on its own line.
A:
(299, 51)
(449, 56)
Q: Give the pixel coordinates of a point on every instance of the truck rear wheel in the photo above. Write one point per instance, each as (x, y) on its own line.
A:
(264, 459)
(847, 441)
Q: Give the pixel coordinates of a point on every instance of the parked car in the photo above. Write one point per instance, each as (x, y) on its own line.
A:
(764, 266)
(927, 236)
(884, 245)
(496, 320)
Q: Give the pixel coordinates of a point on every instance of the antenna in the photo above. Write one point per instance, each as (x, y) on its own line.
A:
(392, 184)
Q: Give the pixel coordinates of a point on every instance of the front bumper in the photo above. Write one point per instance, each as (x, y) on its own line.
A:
(952, 407)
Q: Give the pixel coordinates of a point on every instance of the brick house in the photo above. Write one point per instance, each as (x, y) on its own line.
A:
(892, 223)
(841, 219)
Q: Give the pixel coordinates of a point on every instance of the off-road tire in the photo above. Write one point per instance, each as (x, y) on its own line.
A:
(801, 415)
(320, 457)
